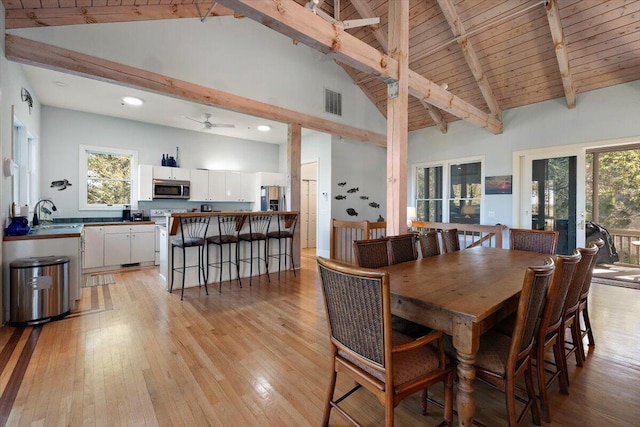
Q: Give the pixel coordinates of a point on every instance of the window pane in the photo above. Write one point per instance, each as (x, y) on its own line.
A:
(464, 211)
(106, 192)
(465, 181)
(429, 183)
(429, 210)
(111, 166)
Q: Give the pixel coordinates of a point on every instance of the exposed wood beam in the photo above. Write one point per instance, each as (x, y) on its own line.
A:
(398, 121)
(298, 23)
(457, 27)
(561, 52)
(26, 18)
(30, 52)
(294, 164)
(436, 115)
(364, 10)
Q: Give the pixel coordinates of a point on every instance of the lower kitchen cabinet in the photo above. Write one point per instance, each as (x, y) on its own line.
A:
(111, 246)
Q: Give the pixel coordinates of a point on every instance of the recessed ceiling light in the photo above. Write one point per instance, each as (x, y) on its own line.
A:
(61, 84)
(131, 100)
(264, 128)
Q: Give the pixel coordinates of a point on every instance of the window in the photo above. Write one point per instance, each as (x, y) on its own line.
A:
(107, 178)
(24, 179)
(449, 192)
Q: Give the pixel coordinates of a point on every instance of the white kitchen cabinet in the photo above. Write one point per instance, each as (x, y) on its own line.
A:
(248, 187)
(129, 244)
(93, 247)
(233, 186)
(145, 182)
(199, 185)
(217, 186)
(164, 172)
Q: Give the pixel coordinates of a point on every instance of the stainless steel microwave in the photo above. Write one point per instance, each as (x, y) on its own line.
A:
(170, 189)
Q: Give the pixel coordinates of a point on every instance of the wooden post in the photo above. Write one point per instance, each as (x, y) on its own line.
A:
(397, 120)
(294, 142)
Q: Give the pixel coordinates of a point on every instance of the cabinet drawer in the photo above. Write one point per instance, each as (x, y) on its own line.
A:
(129, 228)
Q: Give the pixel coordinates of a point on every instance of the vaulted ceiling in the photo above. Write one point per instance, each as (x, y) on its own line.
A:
(489, 55)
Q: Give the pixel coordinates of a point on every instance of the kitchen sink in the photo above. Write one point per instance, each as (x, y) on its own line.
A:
(55, 226)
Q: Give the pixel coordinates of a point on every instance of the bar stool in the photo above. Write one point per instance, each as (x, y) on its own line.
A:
(228, 228)
(192, 235)
(258, 226)
(286, 224)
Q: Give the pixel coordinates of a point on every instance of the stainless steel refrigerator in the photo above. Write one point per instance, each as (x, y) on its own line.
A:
(272, 198)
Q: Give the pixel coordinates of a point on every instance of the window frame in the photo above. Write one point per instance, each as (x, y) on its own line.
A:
(84, 150)
(446, 183)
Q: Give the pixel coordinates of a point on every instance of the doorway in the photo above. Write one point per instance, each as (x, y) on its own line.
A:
(552, 195)
(308, 205)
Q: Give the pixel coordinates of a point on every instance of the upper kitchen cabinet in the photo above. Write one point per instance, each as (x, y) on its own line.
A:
(199, 185)
(223, 186)
(178, 174)
(145, 182)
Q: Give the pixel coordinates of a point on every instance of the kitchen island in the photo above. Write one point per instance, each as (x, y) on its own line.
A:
(191, 278)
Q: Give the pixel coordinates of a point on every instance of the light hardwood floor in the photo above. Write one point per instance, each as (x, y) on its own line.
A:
(134, 354)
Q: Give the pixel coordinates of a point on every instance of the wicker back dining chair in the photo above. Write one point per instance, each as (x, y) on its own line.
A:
(193, 232)
(450, 240)
(583, 307)
(502, 360)
(389, 364)
(542, 241)
(371, 253)
(402, 248)
(551, 331)
(429, 243)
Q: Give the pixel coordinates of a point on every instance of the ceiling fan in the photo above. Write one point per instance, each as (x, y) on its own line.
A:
(207, 123)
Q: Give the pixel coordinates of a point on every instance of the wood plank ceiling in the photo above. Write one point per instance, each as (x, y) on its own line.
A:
(493, 54)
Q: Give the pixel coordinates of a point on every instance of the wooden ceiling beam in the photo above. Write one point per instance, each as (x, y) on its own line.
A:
(365, 11)
(298, 23)
(561, 52)
(46, 17)
(39, 54)
(459, 32)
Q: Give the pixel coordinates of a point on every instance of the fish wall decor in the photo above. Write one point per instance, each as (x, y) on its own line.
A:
(374, 205)
(340, 197)
(342, 184)
(352, 212)
(364, 197)
(353, 190)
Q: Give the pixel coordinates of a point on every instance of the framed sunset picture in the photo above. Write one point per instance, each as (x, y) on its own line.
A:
(498, 184)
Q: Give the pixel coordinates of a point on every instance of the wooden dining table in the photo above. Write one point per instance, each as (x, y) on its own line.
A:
(463, 294)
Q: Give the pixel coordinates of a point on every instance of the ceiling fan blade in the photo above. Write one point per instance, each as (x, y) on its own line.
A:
(222, 125)
(195, 120)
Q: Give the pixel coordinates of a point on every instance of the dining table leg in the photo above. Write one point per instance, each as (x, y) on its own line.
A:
(466, 400)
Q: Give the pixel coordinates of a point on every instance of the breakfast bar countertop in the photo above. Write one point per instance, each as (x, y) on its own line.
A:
(175, 224)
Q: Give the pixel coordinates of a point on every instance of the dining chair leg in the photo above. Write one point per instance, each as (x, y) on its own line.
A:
(577, 340)
(528, 378)
(561, 364)
(587, 324)
(542, 383)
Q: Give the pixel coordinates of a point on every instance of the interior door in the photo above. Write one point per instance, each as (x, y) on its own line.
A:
(304, 213)
(553, 196)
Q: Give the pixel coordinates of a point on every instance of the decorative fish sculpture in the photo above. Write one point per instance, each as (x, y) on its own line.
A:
(352, 212)
(340, 197)
(353, 190)
(342, 184)
(374, 205)
(364, 197)
(380, 218)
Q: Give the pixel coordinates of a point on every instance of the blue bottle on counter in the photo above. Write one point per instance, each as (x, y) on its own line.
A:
(164, 161)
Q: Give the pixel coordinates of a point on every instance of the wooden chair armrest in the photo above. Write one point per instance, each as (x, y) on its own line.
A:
(424, 340)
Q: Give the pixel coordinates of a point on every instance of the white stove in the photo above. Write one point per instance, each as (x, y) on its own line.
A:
(159, 216)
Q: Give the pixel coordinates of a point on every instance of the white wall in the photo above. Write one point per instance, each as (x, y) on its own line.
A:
(362, 167)
(64, 130)
(600, 115)
(316, 147)
(238, 56)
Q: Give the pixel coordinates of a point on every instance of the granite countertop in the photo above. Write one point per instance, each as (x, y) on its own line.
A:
(50, 231)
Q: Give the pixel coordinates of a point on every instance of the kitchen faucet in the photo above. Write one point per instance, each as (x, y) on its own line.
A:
(41, 208)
